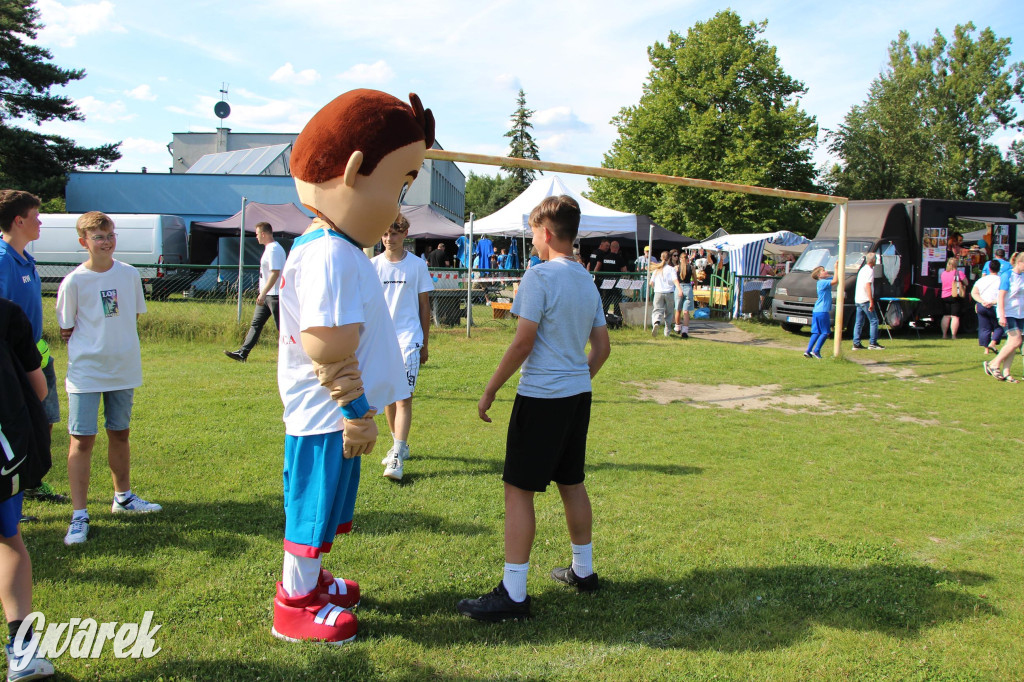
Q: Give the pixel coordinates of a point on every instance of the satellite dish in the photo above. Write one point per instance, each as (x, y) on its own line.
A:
(222, 109)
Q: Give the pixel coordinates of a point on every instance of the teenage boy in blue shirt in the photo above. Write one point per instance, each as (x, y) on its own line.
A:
(19, 282)
(559, 311)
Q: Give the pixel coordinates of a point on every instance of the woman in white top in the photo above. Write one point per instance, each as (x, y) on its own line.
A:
(1010, 312)
(666, 282)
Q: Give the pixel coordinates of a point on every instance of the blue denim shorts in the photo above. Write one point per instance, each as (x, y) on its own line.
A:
(1015, 324)
(84, 408)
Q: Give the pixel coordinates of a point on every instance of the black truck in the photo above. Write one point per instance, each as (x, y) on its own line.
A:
(903, 233)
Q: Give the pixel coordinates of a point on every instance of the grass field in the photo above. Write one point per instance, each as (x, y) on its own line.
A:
(869, 528)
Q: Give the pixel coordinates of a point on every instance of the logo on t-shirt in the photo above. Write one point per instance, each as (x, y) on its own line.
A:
(109, 303)
(25, 279)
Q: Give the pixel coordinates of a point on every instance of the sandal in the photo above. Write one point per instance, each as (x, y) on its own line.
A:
(988, 370)
(1010, 380)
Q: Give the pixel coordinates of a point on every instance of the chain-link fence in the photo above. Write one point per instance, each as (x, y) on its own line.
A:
(207, 295)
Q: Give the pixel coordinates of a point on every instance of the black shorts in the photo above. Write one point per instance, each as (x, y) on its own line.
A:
(951, 305)
(547, 441)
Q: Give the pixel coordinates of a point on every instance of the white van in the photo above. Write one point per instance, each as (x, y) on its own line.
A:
(142, 239)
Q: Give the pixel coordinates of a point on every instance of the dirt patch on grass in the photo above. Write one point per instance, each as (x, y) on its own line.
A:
(745, 398)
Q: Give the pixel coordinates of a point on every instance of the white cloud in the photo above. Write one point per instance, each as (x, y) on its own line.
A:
(369, 74)
(140, 145)
(272, 116)
(287, 74)
(559, 118)
(507, 81)
(142, 92)
(106, 112)
(62, 25)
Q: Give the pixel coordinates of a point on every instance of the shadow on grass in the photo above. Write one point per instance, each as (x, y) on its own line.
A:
(730, 610)
(221, 529)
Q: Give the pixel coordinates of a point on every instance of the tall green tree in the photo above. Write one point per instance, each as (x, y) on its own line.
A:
(521, 145)
(925, 129)
(717, 106)
(30, 160)
(485, 194)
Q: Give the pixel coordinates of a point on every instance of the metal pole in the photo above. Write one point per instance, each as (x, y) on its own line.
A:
(241, 257)
(647, 276)
(837, 346)
(469, 279)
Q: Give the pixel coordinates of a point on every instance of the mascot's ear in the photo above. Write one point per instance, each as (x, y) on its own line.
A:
(425, 117)
(352, 167)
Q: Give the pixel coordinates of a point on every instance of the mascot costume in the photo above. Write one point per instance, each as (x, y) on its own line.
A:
(352, 164)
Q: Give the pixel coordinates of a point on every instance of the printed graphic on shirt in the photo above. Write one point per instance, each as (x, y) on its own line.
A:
(110, 303)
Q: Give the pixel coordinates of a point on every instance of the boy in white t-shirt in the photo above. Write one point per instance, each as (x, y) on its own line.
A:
(407, 286)
(98, 304)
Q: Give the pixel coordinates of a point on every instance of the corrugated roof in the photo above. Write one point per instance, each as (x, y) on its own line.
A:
(241, 162)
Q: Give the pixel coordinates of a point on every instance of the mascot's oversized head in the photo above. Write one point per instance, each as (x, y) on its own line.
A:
(355, 159)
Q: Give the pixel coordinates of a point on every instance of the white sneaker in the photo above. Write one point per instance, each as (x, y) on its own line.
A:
(394, 468)
(134, 505)
(78, 531)
(21, 668)
(402, 455)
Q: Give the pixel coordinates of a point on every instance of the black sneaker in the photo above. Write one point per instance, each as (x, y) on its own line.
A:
(816, 355)
(684, 335)
(807, 354)
(568, 576)
(495, 606)
(876, 346)
(235, 355)
(45, 493)
(858, 346)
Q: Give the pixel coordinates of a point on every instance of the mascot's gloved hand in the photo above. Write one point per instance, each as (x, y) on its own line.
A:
(360, 435)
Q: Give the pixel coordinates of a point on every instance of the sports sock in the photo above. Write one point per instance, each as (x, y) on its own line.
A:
(300, 574)
(402, 447)
(677, 328)
(515, 580)
(686, 329)
(583, 559)
(12, 631)
(121, 497)
(79, 514)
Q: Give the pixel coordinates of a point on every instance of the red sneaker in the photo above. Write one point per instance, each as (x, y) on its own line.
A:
(312, 617)
(340, 592)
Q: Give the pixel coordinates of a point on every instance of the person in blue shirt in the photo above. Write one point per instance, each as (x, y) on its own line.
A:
(19, 282)
(1000, 257)
(821, 322)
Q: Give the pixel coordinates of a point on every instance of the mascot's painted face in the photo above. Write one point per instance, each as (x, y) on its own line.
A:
(364, 206)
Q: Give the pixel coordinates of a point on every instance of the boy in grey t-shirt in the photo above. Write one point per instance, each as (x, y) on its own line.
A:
(559, 312)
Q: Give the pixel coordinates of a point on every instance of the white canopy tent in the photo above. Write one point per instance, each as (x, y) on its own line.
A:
(513, 219)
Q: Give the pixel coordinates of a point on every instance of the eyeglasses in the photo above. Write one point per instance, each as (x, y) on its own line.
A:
(109, 237)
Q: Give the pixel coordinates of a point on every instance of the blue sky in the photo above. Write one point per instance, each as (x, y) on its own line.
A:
(156, 68)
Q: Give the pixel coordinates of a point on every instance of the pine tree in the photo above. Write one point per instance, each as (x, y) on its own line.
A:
(31, 160)
(522, 145)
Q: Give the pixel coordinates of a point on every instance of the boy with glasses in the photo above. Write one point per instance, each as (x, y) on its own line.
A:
(97, 307)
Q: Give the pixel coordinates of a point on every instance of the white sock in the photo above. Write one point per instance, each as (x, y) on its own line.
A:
(79, 514)
(402, 447)
(515, 580)
(677, 327)
(300, 574)
(583, 559)
(121, 497)
(686, 329)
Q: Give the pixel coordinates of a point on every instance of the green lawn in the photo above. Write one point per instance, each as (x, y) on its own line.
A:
(874, 535)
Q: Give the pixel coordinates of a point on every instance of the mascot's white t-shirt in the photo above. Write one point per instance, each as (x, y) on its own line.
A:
(403, 282)
(329, 282)
(103, 351)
